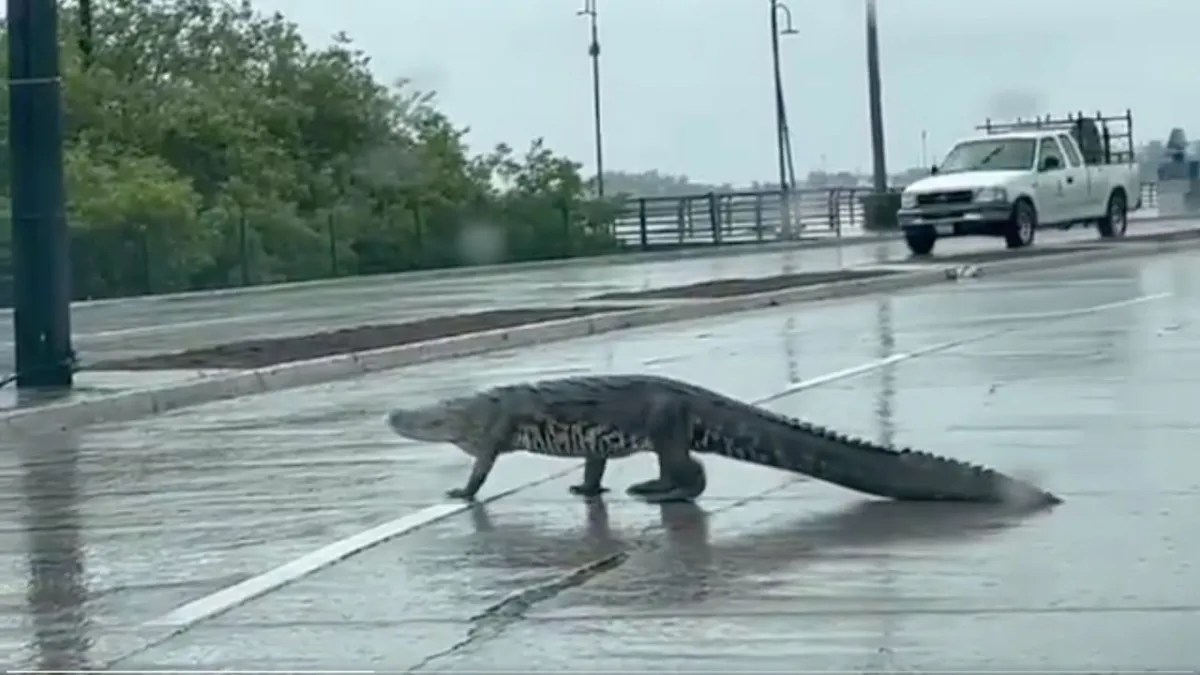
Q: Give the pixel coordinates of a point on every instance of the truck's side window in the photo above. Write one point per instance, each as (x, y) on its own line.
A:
(1049, 149)
(1072, 153)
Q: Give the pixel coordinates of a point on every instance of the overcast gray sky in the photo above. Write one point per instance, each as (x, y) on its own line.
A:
(687, 83)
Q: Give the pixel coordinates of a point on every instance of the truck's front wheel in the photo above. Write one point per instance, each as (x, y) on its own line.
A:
(1018, 232)
(1116, 218)
(920, 240)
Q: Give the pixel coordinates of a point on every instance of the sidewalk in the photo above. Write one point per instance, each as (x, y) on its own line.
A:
(114, 526)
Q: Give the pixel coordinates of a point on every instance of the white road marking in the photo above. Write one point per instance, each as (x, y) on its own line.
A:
(1036, 321)
(185, 616)
(229, 597)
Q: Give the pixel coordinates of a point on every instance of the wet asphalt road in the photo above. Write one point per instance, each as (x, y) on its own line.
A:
(112, 526)
(140, 326)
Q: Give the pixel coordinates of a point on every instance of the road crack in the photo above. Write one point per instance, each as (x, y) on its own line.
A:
(498, 617)
(493, 620)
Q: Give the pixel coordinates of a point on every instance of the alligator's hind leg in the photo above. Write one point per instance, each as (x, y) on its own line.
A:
(645, 487)
(680, 475)
(593, 475)
(686, 473)
(684, 480)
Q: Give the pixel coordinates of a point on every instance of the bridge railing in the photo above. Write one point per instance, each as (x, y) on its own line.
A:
(748, 216)
(751, 216)
(1149, 195)
(743, 216)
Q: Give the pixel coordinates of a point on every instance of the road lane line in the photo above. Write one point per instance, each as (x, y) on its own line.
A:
(951, 344)
(206, 607)
(229, 597)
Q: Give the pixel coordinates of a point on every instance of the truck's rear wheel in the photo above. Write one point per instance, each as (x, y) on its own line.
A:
(920, 240)
(1116, 217)
(1022, 224)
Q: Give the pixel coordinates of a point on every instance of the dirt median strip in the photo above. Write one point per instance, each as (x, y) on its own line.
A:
(724, 288)
(263, 352)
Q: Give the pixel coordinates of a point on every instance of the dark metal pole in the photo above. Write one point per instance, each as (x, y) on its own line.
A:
(594, 51)
(783, 140)
(41, 254)
(779, 122)
(875, 96)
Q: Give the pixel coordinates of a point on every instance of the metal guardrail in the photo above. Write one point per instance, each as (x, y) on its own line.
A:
(719, 218)
(749, 216)
(1150, 195)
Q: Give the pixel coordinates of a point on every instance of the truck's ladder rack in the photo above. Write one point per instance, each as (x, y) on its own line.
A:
(1100, 142)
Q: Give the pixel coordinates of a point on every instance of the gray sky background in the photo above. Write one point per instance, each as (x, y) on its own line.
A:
(687, 83)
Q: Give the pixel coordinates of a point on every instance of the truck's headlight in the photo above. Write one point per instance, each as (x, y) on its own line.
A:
(991, 194)
(908, 200)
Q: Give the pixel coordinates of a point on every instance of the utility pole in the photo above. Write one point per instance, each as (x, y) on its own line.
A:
(875, 97)
(589, 10)
(40, 245)
(782, 137)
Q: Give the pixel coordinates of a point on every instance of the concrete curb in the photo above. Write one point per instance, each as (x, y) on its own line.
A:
(150, 401)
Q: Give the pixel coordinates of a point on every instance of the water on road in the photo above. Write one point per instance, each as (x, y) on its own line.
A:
(1079, 380)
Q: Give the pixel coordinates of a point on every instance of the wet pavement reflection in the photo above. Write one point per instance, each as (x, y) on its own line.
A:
(764, 572)
(48, 537)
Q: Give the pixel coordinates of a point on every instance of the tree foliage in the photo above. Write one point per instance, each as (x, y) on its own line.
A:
(208, 144)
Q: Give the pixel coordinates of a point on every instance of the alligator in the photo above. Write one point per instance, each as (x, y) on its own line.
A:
(598, 418)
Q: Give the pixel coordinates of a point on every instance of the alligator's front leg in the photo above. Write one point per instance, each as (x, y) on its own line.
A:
(484, 462)
(485, 450)
(593, 476)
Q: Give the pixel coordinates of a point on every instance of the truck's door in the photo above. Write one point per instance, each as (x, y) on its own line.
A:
(1077, 181)
(1051, 183)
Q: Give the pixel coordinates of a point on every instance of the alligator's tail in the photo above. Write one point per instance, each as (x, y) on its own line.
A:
(752, 434)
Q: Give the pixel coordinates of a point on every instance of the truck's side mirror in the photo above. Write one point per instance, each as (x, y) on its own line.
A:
(933, 170)
(1051, 163)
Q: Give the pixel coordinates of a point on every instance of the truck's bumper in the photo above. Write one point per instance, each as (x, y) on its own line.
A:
(950, 220)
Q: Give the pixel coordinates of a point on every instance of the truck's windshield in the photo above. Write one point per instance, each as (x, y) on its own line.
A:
(989, 155)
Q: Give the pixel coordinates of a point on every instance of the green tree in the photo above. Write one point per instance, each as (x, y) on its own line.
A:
(210, 144)
(135, 225)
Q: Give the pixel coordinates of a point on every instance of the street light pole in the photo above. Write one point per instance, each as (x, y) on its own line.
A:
(875, 97)
(783, 143)
(589, 10)
(40, 254)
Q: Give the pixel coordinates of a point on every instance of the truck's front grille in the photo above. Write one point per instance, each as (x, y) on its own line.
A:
(956, 197)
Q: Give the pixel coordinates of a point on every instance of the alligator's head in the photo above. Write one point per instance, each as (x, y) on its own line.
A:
(443, 422)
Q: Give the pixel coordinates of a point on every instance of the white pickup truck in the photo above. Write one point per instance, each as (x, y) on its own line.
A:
(1019, 177)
